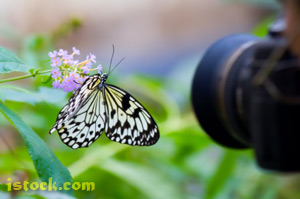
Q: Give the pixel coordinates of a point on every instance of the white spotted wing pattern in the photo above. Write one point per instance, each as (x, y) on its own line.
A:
(98, 107)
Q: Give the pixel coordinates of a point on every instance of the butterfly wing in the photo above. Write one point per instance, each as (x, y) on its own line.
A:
(83, 119)
(75, 102)
(128, 121)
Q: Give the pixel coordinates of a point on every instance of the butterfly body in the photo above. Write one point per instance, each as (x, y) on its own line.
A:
(96, 107)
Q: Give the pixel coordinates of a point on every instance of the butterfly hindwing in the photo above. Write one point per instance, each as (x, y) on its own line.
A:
(86, 125)
(128, 121)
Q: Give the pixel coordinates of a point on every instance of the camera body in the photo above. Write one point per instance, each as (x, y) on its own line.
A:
(246, 94)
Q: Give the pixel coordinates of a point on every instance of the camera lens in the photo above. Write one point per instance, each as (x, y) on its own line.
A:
(218, 94)
(246, 93)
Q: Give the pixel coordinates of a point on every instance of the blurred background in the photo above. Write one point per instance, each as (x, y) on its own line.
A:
(162, 41)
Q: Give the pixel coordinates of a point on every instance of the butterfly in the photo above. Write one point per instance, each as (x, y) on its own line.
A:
(96, 107)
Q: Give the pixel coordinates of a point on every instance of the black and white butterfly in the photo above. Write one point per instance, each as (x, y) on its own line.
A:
(96, 107)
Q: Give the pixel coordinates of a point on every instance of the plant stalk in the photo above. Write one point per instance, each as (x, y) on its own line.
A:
(24, 76)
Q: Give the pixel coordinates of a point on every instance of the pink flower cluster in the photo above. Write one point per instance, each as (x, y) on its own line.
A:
(69, 74)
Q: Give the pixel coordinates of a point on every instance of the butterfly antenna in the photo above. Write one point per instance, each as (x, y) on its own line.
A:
(116, 65)
(111, 59)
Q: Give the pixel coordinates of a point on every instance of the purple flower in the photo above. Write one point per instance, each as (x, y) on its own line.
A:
(69, 74)
(66, 87)
(52, 54)
(55, 73)
(74, 76)
(88, 65)
(55, 61)
(99, 69)
(93, 58)
(76, 51)
(81, 80)
(77, 81)
(77, 86)
(85, 70)
(68, 84)
(62, 52)
(68, 59)
(56, 84)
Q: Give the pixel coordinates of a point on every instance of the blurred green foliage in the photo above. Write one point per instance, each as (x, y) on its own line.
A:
(185, 163)
(45, 162)
(269, 4)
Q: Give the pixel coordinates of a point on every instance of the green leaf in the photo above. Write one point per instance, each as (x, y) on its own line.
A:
(3, 187)
(53, 96)
(35, 72)
(17, 94)
(262, 29)
(9, 56)
(9, 62)
(46, 163)
(222, 174)
(150, 182)
(2, 97)
(31, 71)
(49, 78)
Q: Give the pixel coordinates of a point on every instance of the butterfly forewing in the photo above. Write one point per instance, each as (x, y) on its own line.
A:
(95, 108)
(128, 121)
(75, 102)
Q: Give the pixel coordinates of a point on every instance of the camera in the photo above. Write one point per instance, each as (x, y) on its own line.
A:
(246, 94)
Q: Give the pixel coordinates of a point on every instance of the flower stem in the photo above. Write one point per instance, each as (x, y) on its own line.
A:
(25, 76)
